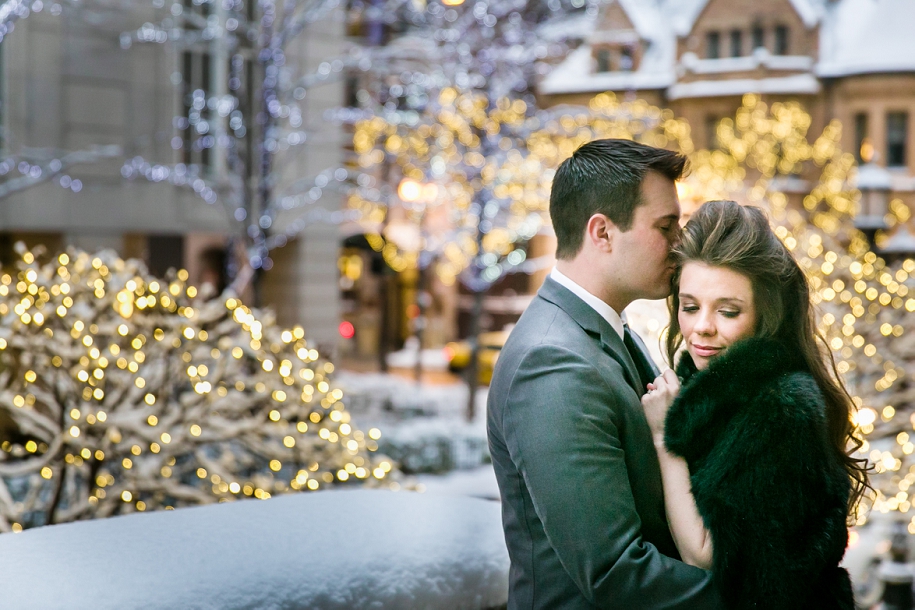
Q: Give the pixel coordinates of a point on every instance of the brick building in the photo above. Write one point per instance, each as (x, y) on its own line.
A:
(851, 60)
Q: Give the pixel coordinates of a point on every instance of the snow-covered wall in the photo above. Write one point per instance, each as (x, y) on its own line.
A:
(333, 549)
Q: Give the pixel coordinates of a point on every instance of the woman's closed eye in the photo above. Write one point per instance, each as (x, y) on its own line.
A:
(727, 313)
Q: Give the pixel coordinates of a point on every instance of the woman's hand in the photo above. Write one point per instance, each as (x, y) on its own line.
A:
(657, 401)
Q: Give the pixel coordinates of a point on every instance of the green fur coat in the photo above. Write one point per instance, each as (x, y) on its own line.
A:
(768, 485)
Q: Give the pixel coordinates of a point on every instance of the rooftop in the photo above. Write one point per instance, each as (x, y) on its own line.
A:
(855, 37)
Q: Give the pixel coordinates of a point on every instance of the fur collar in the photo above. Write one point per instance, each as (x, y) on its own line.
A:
(711, 398)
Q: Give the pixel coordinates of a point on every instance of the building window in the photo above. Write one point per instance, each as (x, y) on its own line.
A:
(897, 125)
(197, 139)
(861, 138)
(759, 38)
(736, 43)
(712, 45)
(626, 59)
(781, 40)
(603, 60)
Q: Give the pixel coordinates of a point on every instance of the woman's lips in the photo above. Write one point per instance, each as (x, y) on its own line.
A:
(706, 351)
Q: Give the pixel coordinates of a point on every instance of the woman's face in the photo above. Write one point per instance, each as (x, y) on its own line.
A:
(716, 309)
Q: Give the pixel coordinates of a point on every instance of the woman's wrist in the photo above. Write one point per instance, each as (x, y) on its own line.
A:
(658, 438)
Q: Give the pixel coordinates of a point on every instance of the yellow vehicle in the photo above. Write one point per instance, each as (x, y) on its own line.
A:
(458, 354)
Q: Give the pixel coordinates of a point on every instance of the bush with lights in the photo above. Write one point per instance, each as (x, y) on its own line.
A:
(121, 392)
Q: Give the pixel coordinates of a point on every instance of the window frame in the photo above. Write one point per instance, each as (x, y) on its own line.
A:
(861, 122)
(736, 43)
(897, 151)
(782, 40)
(757, 37)
(713, 44)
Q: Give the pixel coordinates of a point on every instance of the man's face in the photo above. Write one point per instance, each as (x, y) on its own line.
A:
(643, 266)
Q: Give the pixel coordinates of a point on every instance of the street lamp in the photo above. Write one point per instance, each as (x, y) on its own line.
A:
(419, 196)
(411, 191)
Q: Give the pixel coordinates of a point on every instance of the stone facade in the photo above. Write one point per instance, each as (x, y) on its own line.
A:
(68, 85)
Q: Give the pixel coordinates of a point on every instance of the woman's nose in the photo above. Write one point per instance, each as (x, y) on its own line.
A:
(704, 324)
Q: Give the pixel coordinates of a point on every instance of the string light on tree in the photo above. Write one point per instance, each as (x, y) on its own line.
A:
(123, 392)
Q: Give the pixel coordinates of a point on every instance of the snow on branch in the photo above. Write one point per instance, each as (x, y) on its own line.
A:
(122, 392)
(34, 172)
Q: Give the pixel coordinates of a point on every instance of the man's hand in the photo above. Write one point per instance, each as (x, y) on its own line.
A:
(660, 396)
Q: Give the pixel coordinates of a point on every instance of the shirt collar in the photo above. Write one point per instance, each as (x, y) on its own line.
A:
(605, 311)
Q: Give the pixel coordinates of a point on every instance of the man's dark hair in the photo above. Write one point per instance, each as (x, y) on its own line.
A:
(604, 177)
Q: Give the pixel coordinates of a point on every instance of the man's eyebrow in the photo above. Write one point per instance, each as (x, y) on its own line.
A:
(673, 217)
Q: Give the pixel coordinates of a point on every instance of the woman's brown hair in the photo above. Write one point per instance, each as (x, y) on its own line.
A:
(729, 235)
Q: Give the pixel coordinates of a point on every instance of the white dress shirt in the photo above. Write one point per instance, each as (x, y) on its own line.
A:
(605, 311)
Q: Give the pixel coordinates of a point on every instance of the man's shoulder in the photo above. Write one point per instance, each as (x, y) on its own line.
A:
(544, 324)
(545, 342)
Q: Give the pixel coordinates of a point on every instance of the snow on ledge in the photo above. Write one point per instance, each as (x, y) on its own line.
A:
(331, 549)
(798, 84)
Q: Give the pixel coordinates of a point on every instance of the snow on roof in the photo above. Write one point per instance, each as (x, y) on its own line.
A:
(331, 549)
(866, 36)
(807, 10)
(684, 14)
(646, 18)
(797, 84)
(576, 75)
(856, 37)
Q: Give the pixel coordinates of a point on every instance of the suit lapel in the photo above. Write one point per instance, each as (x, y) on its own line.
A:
(641, 345)
(595, 325)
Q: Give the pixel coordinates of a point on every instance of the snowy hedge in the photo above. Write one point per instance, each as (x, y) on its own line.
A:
(336, 549)
(123, 392)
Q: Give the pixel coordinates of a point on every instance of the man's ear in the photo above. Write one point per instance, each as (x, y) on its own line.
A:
(600, 231)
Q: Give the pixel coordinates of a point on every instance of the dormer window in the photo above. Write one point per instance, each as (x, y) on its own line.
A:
(736, 43)
(618, 57)
(712, 45)
(781, 40)
(626, 60)
(759, 38)
(603, 60)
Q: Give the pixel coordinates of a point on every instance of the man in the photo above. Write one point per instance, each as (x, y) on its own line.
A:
(582, 502)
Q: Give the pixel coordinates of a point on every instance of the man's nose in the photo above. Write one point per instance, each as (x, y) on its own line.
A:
(676, 234)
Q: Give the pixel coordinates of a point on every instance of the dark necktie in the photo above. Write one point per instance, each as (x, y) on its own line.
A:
(645, 368)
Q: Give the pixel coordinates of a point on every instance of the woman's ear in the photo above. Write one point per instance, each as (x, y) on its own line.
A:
(599, 232)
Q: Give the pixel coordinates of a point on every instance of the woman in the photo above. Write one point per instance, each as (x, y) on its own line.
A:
(758, 480)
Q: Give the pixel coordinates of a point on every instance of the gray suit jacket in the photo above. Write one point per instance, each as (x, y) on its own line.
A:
(582, 501)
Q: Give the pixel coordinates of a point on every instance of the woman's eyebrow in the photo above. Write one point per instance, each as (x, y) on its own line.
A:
(735, 300)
